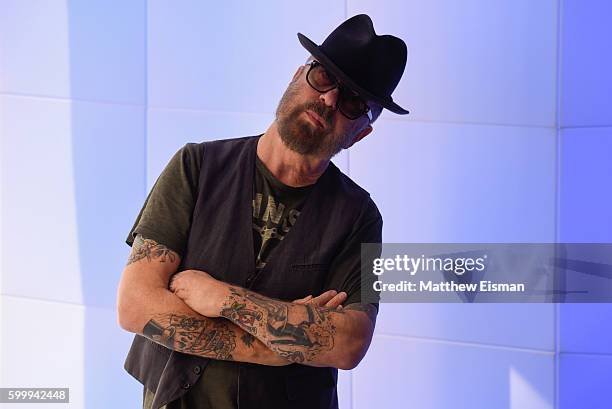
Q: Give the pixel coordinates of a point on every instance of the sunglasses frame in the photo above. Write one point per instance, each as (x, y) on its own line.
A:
(343, 90)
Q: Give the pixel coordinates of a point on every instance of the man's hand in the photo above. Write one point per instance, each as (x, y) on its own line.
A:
(200, 291)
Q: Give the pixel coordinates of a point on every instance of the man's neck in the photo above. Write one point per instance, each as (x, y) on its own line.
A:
(290, 167)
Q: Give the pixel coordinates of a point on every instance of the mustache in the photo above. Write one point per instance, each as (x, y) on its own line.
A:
(325, 112)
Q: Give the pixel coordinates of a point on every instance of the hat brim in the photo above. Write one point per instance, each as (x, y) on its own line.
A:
(315, 51)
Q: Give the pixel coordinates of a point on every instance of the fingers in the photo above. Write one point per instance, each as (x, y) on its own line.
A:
(337, 300)
(324, 298)
(302, 300)
(330, 299)
(173, 280)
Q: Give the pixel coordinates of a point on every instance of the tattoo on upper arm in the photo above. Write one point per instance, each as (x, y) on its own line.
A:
(151, 250)
(184, 333)
(369, 309)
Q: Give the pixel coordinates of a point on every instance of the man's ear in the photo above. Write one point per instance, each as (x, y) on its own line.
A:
(297, 73)
(364, 132)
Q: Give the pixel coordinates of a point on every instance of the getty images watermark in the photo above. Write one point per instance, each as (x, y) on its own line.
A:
(455, 265)
(473, 272)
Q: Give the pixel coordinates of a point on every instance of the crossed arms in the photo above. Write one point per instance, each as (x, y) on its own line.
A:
(197, 314)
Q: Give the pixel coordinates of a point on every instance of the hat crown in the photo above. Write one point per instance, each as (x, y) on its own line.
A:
(370, 63)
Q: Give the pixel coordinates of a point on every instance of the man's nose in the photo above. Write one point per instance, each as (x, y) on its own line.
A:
(330, 98)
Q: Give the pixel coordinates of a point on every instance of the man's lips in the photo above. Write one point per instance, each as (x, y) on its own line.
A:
(315, 118)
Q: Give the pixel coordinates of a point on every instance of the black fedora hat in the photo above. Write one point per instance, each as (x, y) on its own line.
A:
(370, 64)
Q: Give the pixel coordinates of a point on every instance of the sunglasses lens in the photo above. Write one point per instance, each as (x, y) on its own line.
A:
(320, 79)
(352, 105)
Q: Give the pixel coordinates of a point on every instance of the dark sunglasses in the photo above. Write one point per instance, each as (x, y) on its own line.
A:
(350, 104)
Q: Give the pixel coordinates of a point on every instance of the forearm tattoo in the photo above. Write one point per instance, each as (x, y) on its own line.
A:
(297, 336)
(151, 250)
(183, 333)
(248, 339)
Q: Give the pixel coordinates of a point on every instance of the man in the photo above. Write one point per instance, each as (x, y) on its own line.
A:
(265, 234)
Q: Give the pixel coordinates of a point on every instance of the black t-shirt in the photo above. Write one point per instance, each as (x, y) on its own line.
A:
(166, 218)
(276, 208)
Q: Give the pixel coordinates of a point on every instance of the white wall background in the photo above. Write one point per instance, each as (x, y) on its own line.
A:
(584, 340)
(509, 115)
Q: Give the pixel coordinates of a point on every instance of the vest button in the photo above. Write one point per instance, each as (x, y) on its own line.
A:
(186, 385)
(197, 369)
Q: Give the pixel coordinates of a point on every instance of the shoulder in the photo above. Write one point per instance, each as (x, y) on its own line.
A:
(183, 167)
(220, 150)
(229, 143)
(192, 154)
(195, 149)
(192, 150)
(352, 192)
